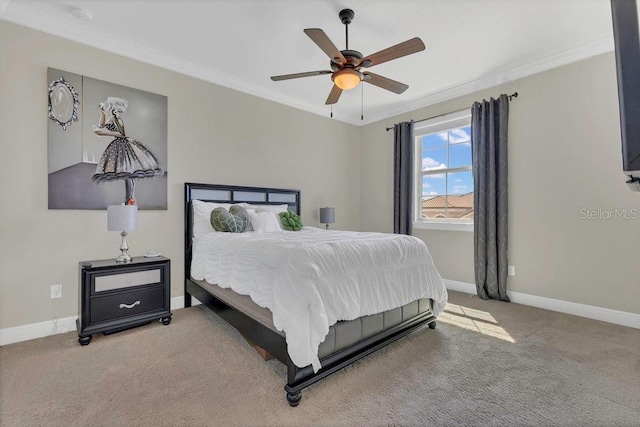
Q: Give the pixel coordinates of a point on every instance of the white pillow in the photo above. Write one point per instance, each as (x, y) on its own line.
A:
(275, 209)
(202, 215)
(264, 222)
(249, 209)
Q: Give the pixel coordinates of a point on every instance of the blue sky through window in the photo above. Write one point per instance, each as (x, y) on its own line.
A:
(435, 156)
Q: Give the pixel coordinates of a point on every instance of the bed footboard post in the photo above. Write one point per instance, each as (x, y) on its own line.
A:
(294, 395)
(294, 398)
(187, 299)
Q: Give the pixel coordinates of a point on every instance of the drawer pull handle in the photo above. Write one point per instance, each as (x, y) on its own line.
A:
(130, 305)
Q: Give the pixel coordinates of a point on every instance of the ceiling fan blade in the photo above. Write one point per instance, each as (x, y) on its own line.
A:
(299, 75)
(334, 95)
(322, 40)
(385, 83)
(398, 51)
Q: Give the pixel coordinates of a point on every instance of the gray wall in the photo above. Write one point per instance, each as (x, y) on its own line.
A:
(564, 156)
(215, 135)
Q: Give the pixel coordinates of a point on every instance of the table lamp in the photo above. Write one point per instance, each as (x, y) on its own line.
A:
(122, 218)
(327, 216)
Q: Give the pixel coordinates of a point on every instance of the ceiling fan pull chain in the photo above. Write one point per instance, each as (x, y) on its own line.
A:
(361, 102)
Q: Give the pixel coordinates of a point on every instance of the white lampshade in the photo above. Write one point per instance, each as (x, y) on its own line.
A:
(122, 217)
(327, 215)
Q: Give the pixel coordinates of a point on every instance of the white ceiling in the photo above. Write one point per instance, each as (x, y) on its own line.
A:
(470, 44)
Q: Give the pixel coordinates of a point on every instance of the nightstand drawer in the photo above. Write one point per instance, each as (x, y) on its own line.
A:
(130, 279)
(127, 304)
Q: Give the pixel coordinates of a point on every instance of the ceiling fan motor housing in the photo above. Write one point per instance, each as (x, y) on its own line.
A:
(347, 75)
(353, 58)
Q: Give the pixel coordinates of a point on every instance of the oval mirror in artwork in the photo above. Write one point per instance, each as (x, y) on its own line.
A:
(63, 103)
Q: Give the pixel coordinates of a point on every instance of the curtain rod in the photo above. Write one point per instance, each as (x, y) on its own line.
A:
(513, 95)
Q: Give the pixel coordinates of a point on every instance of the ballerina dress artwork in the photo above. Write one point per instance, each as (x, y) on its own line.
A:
(124, 158)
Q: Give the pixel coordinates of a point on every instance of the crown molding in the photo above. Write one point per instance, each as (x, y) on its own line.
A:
(490, 80)
(72, 30)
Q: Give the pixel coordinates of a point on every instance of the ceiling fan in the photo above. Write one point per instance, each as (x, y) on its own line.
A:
(346, 64)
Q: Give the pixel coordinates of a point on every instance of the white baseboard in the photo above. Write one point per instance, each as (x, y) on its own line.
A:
(623, 318)
(68, 324)
(178, 302)
(37, 330)
(58, 326)
(452, 285)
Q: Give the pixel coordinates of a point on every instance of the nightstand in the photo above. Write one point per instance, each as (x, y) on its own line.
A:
(117, 296)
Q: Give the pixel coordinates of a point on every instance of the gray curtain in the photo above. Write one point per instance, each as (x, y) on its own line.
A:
(489, 148)
(402, 177)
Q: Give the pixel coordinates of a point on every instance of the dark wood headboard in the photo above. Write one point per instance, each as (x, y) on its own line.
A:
(230, 194)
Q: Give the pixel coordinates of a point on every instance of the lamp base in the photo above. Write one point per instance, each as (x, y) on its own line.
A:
(124, 258)
(124, 247)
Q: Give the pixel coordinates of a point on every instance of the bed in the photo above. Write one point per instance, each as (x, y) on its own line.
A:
(335, 338)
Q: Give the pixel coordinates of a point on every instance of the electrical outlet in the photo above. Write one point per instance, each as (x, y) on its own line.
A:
(56, 291)
(512, 270)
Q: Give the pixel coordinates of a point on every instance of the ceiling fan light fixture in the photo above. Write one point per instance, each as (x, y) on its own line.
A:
(346, 78)
(345, 65)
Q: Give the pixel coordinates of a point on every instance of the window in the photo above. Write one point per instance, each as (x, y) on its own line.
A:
(444, 180)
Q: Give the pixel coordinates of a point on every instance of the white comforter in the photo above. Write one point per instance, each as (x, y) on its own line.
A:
(313, 278)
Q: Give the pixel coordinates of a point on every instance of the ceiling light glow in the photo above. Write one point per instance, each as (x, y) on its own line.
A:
(346, 78)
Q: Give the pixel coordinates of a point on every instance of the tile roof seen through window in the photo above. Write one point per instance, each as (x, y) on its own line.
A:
(451, 206)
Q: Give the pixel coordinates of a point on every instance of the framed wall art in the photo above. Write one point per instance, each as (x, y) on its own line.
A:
(107, 144)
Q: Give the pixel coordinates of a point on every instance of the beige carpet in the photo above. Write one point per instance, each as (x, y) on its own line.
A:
(487, 363)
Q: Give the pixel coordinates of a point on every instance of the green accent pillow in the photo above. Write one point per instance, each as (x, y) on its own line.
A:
(234, 220)
(291, 221)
